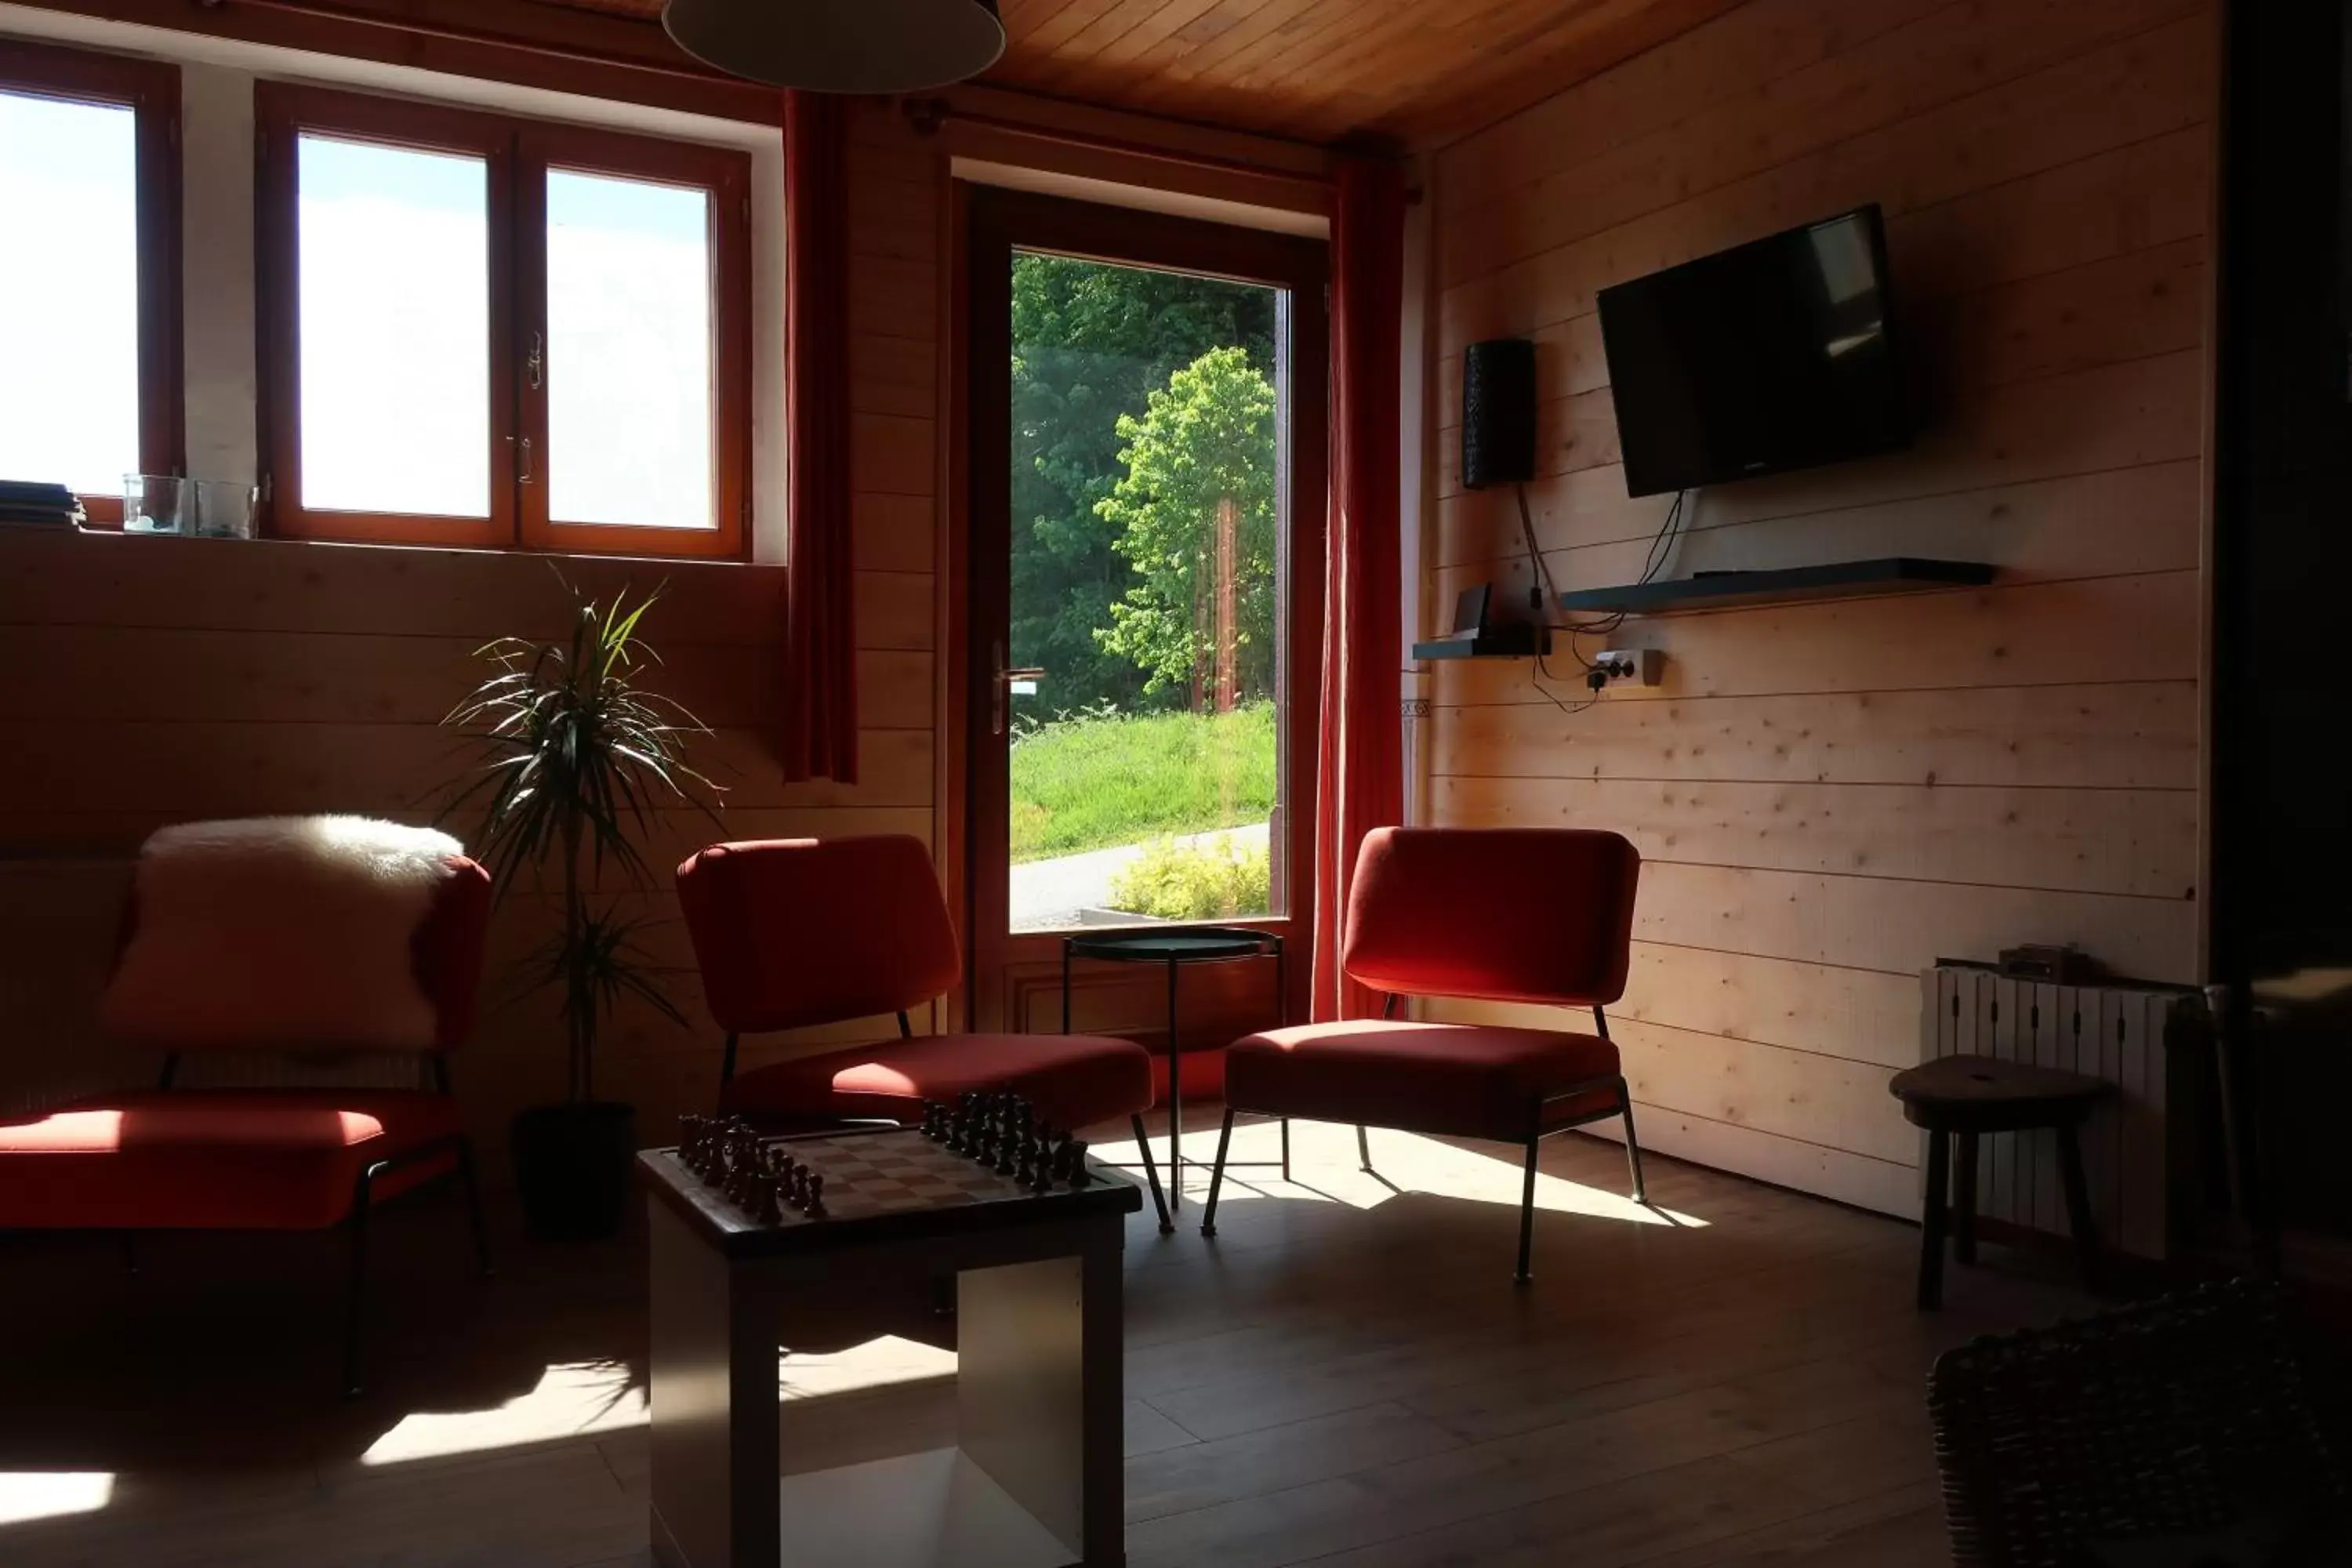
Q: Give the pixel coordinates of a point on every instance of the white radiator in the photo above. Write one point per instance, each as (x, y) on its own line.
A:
(2124, 1034)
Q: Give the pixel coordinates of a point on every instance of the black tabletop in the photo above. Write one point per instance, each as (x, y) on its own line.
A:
(1181, 944)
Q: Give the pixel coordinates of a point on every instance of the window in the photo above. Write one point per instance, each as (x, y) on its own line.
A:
(90, 275)
(487, 333)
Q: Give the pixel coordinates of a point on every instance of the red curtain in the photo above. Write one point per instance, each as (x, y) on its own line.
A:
(1359, 772)
(820, 705)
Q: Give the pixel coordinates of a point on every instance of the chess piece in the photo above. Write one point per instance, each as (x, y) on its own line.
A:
(764, 1207)
(814, 1207)
(1079, 1175)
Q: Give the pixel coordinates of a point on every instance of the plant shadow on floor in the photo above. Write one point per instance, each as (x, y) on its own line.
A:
(221, 1353)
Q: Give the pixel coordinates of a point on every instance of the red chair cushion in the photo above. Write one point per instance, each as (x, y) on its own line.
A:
(1465, 1080)
(214, 1159)
(1074, 1080)
(1507, 914)
(791, 932)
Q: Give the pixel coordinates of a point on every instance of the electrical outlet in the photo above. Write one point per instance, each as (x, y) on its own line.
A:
(1642, 666)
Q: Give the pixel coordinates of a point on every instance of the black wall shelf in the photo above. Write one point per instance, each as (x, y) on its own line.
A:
(1833, 580)
(1498, 644)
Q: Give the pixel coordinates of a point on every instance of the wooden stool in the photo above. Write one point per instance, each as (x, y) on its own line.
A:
(1963, 1096)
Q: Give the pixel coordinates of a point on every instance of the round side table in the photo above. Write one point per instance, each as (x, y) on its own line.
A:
(1176, 947)
(1957, 1100)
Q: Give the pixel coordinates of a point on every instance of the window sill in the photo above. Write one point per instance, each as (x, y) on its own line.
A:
(667, 563)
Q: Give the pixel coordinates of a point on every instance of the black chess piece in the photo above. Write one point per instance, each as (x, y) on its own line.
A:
(1079, 1175)
(764, 1206)
(814, 1207)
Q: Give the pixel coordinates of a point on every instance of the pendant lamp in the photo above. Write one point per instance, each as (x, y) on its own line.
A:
(841, 46)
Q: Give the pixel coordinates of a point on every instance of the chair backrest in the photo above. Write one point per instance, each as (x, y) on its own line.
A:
(793, 931)
(260, 952)
(1503, 914)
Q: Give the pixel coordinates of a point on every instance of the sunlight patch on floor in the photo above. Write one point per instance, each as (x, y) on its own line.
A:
(28, 1495)
(574, 1399)
(578, 1399)
(877, 1363)
(1323, 1169)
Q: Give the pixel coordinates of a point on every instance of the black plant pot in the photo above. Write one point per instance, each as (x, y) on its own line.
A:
(572, 1166)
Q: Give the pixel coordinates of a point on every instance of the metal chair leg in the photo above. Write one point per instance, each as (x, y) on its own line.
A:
(1151, 1174)
(1632, 1144)
(475, 1218)
(1217, 1176)
(1364, 1149)
(1527, 1213)
(1286, 1148)
(355, 1322)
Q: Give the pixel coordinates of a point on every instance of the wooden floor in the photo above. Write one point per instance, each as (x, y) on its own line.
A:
(1345, 1376)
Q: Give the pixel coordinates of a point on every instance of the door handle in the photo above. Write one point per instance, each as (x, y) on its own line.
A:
(1001, 696)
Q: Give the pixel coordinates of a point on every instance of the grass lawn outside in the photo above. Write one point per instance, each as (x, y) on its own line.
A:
(1097, 781)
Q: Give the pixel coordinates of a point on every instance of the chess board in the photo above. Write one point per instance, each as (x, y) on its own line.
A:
(884, 1181)
(897, 1172)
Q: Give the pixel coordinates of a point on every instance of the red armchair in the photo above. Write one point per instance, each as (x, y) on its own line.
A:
(176, 1158)
(793, 932)
(1539, 915)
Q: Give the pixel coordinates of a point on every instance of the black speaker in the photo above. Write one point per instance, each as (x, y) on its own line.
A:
(1498, 413)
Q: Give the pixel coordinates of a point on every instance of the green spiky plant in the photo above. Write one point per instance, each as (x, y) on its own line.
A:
(577, 754)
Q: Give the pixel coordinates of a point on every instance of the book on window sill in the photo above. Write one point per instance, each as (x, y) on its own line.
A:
(29, 505)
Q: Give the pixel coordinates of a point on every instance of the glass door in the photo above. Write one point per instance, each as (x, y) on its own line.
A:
(1147, 470)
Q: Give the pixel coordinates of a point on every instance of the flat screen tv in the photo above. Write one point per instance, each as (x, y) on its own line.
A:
(1778, 354)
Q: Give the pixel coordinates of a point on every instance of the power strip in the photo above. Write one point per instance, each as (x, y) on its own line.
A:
(1642, 666)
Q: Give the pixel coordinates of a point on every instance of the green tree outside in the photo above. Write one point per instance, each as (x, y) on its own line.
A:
(1091, 345)
(1195, 514)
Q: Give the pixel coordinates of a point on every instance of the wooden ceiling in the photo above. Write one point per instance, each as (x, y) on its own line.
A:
(1319, 70)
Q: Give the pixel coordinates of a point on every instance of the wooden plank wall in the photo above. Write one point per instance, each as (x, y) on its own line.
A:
(157, 680)
(1830, 798)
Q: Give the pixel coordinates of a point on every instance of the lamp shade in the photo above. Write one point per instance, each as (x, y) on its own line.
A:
(841, 46)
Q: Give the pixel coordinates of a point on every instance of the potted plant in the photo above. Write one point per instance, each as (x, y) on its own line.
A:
(576, 753)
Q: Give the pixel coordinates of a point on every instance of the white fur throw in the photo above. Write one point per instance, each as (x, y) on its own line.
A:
(279, 933)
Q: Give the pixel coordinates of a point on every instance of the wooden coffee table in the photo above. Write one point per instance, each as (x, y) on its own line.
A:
(1034, 1480)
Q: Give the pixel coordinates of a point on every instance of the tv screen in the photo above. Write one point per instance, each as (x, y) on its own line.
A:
(1778, 354)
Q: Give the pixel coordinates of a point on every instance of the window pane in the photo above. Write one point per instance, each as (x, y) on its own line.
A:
(396, 260)
(1146, 618)
(68, 293)
(628, 352)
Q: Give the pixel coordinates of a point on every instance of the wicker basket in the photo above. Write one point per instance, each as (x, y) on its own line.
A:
(2163, 1419)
